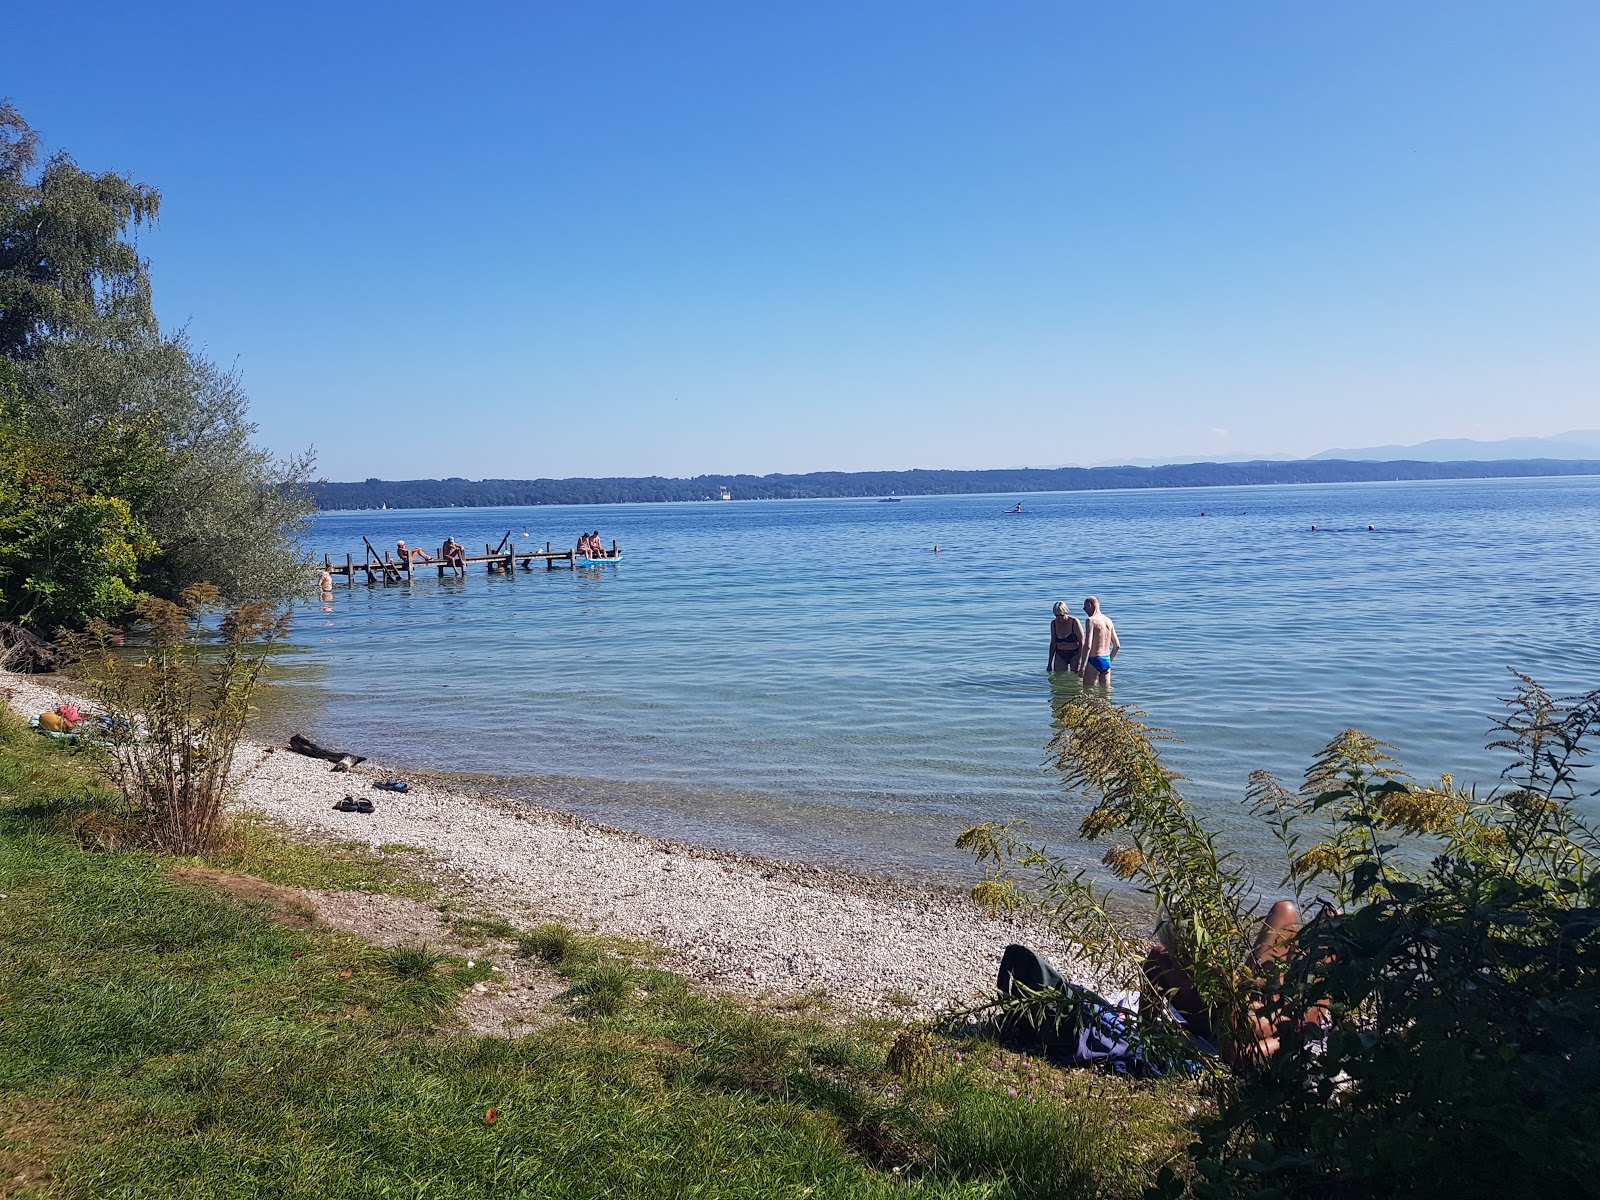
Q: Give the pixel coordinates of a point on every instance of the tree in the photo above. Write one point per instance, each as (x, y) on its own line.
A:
(128, 456)
(64, 259)
(156, 422)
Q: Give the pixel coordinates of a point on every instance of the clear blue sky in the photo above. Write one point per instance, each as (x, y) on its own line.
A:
(600, 238)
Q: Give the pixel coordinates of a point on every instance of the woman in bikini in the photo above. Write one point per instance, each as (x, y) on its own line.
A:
(1066, 641)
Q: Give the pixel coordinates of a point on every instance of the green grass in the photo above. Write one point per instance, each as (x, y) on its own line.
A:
(257, 845)
(551, 943)
(159, 1040)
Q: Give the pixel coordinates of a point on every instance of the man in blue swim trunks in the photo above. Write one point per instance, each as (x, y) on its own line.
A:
(1100, 645)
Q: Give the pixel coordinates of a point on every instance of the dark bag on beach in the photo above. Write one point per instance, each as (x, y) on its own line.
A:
(1075, 1027)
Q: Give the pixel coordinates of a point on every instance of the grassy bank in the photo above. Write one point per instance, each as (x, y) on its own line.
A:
(161, 1038)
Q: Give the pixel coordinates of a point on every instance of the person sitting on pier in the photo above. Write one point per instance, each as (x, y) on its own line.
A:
(455, 556)
(406, 556)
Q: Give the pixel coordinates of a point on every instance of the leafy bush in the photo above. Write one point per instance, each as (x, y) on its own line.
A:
(1457, 980)
(176, 712)
(1463, 1057)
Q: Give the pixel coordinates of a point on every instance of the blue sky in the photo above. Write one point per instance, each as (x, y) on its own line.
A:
(603, 238)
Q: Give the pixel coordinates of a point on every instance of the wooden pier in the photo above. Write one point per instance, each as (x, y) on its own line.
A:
(503, 559)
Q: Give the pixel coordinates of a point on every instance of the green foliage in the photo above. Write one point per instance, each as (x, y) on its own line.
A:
(63, 258)
(151, 419)
(1109, 753)
(67, 554)
(179, 710)
(125, 457)
(1463, 1057)
(1439, 1027)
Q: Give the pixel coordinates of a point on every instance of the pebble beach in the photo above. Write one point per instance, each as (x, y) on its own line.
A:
(764, 928)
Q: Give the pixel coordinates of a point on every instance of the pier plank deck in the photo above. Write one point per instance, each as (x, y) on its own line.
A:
(503, 558)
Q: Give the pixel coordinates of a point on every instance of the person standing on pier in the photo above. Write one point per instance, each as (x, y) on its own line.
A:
(1100, 645)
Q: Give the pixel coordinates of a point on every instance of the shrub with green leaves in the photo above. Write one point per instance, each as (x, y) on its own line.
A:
(1457, 973)
(1463, 1057)
(178, 710)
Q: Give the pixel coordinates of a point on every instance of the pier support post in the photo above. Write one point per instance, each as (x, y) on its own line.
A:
(349, 571)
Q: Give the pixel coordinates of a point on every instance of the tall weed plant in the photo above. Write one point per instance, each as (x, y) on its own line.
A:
(176, 711)
(1454, 969)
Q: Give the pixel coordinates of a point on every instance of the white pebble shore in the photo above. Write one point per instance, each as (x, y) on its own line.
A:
(758, 927)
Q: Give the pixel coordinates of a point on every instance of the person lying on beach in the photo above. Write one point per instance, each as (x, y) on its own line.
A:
(1066, 640)
(1100, 645)
(1253, 1038)
(406, 556)
(455, 557)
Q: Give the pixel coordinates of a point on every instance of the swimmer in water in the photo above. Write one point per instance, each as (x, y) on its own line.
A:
(1066, 640)
(1100, 646)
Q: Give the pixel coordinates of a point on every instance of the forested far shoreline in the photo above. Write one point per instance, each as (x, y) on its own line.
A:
(821, 485)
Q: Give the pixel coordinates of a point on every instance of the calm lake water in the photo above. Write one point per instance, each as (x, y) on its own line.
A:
(807, 679)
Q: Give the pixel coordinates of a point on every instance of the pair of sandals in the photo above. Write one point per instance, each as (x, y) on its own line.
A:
(351, 804)
(390, 785)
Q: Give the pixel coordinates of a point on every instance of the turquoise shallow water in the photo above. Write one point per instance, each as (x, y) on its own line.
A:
(807, 679)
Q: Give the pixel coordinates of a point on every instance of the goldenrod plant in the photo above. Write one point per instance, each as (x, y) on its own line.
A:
(1437, 1020)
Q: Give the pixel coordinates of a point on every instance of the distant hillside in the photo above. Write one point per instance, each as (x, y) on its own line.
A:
(1578, 444)
(489, 493)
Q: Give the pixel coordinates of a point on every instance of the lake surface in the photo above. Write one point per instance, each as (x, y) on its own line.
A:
(808, 680)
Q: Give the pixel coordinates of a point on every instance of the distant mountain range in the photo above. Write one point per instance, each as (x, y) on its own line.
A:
(1580, 443)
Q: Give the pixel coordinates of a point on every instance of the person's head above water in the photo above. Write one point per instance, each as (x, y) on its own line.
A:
(1091, 606)
(1061, 610)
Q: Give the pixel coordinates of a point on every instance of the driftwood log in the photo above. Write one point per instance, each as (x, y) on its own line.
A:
(341, 760)
(27, 653)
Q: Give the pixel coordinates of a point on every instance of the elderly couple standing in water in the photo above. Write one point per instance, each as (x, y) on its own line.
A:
(1084, 648)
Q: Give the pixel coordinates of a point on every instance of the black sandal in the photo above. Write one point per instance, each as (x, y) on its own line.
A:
(348, 804)
(364, 806)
